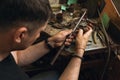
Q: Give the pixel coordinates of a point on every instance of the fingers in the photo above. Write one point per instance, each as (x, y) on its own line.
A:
(61, 36)
(66, 32)
(82, 37)
(80, 32)
(68, 42)
(88, 33)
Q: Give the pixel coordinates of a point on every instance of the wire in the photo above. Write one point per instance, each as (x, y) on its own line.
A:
(108, 46)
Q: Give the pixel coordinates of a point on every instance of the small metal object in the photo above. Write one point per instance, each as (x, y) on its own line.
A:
(63, 45)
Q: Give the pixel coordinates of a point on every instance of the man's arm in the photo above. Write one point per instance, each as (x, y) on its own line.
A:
(72, 70)
(31, 54)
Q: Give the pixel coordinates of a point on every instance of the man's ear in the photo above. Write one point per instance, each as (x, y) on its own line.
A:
(20, 34)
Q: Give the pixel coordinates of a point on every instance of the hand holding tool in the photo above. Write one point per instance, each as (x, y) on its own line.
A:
(63, 45)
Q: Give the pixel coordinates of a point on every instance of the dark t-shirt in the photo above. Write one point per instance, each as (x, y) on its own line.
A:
(9, 70)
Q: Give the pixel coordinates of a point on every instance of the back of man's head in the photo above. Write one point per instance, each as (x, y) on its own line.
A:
(13, 12)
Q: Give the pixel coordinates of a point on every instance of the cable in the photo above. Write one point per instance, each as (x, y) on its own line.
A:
(108, 46)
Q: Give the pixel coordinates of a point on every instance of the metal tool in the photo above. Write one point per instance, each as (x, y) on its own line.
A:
(63, 45)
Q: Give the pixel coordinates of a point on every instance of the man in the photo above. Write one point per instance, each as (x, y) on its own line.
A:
(21, 21)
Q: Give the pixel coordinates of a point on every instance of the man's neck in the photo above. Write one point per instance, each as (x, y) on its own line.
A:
(4, 46)
(3, 55)
(4, 50)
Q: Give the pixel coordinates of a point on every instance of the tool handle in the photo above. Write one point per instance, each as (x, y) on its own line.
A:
(58, 53)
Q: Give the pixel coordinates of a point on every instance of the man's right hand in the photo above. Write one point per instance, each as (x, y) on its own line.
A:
(82, 39)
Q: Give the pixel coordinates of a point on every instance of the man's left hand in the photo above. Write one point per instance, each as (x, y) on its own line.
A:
(58, 39)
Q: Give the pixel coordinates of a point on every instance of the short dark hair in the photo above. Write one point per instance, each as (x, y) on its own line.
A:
(13, 11)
